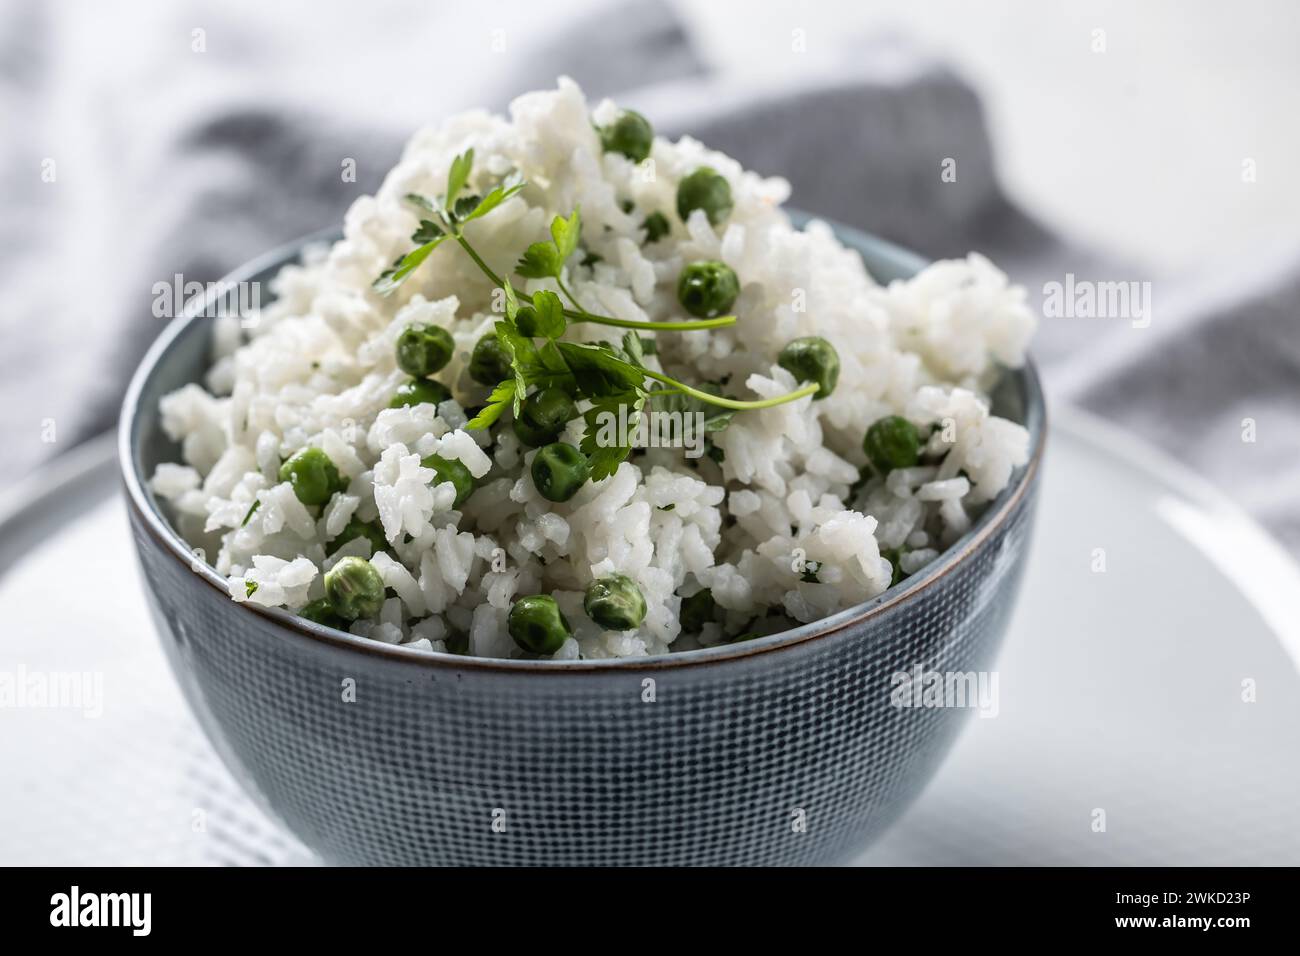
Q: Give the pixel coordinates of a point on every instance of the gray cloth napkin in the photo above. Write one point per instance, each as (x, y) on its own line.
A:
(173, 160)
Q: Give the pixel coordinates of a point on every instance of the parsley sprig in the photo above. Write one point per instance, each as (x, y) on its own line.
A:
(610, 377)
(450, 212)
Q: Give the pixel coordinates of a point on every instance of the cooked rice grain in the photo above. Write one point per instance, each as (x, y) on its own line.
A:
(775, 531)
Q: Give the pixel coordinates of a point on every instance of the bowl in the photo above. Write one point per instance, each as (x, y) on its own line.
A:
(789, 749)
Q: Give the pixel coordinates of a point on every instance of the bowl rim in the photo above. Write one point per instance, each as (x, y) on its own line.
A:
(912, 589)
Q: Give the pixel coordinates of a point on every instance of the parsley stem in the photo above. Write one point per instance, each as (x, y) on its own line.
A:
(572, 298)
(737, 404)
(487, 270)
(582, 315)
(692, 326)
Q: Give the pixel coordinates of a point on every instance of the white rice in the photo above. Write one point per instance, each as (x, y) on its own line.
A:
(319, 369)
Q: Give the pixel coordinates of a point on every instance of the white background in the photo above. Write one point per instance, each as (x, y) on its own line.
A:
(1150, 135)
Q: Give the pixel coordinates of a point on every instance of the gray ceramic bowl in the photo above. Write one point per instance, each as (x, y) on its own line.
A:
(783, 750)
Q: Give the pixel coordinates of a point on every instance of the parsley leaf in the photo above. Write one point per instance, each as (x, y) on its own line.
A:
(545, 260)
(602, 442)
(716, 419)
(428, 231)
(457, 177)
(446, 211)
(464, 206)
(550, 314)
(496, 197)
(598, 371)
(541, 260)
(566, 233)
(542, 366)
(556, 370)
(634, 349)
(454, 207)
(390, 279)
(424, 203)
(502, 395)
(523, 358)
(512, 301)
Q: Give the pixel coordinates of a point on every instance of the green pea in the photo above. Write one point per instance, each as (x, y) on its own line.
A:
(615, 603)
(656, 227)
(320, 611)
(704, 189)
(536, 624)
(354, 588)
(453, 470)
(488, 363)
(812, 359)
(631, 134)
(424, 349)
(543, 415)
(313, 476)
(697, 610)
(356, 528)
(559, 470)
(707, 288)
(420, 391)
(893, 442)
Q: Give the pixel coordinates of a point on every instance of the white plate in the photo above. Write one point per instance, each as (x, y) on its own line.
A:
(1122, 690)
(1119, 691)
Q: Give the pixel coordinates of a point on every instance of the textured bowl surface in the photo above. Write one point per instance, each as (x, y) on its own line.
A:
(783, 750)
